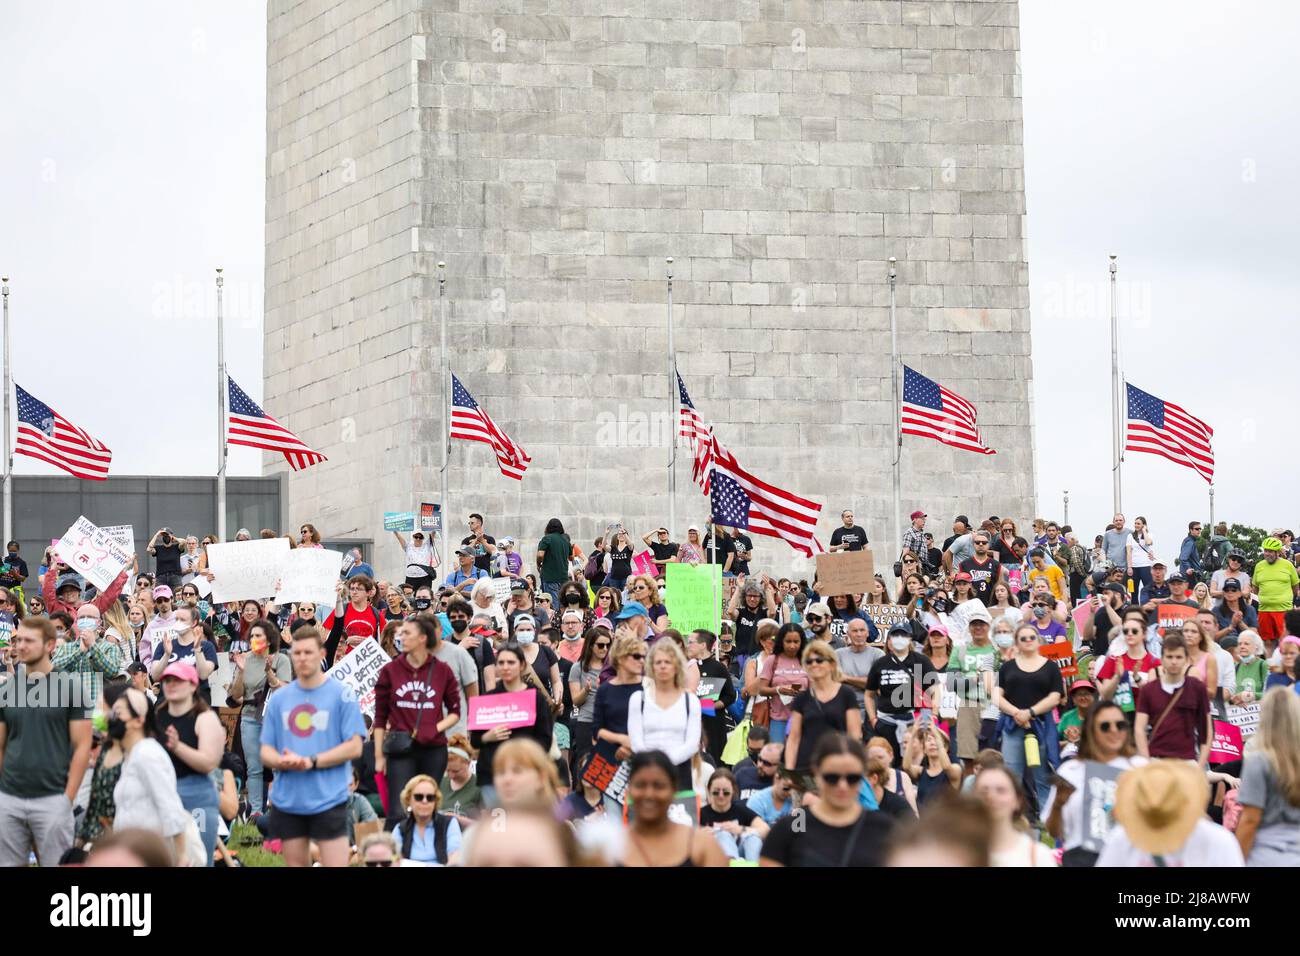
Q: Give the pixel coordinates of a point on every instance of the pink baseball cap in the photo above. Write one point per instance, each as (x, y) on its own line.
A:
(1290, 639)
(182, 671)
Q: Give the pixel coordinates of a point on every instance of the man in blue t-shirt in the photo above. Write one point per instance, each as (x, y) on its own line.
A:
(311, 733)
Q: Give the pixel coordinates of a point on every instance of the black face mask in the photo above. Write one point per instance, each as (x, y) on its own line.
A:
(459, 625)
(422, 604)
(939, 605)
(572, 599)
(116, 727)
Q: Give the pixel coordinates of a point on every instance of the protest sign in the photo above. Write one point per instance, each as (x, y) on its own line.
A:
(6, 628)
(502, 588)
(1082, 614)
(644, 563)
(202, 585)
(884, 616)
(518, 709)
(845, 572)
(229, 717)
(360, 671)
(309, 574)
(93, 553)
(692, 596)
(246, 569)
(124, 535)
(709, 690)
(1245, 718)
(399, 520)
(219, 680)
(1063, 653)
(1099, 783)
(430, 518)
(608, 775)
(1170, 617)
(1227, 744)
(959, 618)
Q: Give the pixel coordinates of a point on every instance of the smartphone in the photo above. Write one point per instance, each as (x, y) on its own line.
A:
(925, 720)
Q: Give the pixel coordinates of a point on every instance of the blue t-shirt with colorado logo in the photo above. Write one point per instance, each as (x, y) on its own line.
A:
(309, 722)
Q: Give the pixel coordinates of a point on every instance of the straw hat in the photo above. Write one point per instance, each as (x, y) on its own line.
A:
(1159, 804)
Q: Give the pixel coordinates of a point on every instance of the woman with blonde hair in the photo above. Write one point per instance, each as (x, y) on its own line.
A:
(609, 719)
(524, 775)
(1201, 595)
(425, 835)
(666, 716)
(826, 706)
(1203, 665)
(1269, 827)
(644, 588)
(118, 630)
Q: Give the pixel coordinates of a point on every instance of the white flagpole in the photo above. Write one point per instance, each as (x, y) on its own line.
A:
(445, 379)
(898, 415)
(9, 448)
(1116, 396)
(672, 410)
(221, 415)
(1211, 509)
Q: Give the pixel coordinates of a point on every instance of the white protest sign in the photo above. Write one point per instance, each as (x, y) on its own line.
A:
(360, 671)
(123, 534)
(201, 585)
(219, 680)
(309, 574)
(1246, 717)
(502, 588)
(960, 619)
(91, 552)
(246, 569)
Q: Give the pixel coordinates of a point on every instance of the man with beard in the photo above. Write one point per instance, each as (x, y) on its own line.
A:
(985, 571)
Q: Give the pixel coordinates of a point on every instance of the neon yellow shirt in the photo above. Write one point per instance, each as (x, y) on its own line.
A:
(1276, 583)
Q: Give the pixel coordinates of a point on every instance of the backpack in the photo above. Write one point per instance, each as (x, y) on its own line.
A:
(1213, 560)
(441, 823)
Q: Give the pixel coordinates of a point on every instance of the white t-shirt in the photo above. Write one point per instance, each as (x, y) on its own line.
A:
(1073, 772)
(1027, 852)
(1208, 845)
(1139, 556)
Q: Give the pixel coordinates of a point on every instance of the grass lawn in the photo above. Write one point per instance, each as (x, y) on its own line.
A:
(246, 843)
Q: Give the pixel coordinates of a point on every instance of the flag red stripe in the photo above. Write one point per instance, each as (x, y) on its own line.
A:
(1144, 433)
(76, 472)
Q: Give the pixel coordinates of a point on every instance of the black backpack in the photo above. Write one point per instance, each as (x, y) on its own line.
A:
(1212, 561)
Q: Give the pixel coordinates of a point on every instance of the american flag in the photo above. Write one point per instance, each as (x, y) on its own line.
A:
(932, 411)
(729, 502)
(772, 511)
(45, 434)
(692, 426)
(702, 465)
(470, 422)
(700, 435)
(251, 426)
(1162, 428)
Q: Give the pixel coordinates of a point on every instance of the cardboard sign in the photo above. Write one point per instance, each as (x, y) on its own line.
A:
(1063, 653)
(430, 518)
(1099, 784)
(93, 553)
(644, 563)
(309, 574)
(608, 776)
(123, 534)
(502, 588)
(360, 671)
(244, 570)
(518, 709)
(885, 616)
(845, 572)
(1170, 617)
(692, 596)
(1245, 718)
(399, 520)
(1227, 744)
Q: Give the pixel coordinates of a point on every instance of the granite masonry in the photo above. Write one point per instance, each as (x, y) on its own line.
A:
(553, 153)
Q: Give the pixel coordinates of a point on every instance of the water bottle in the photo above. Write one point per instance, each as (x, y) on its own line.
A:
(1032, 759)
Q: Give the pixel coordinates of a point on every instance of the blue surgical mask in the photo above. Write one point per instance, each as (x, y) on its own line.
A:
(1247, 658)
(1003, 640)
(85, 624)
(525, 637)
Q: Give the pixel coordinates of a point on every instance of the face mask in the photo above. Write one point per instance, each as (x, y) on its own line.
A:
(572, 599)
(900, 644)
(525, 637)
(1247, 658)
(1003, 640)
(422, 604)
(573, 637)
(86, 624)
(939, 605)
(116, 727)
(459, 625)
(1040, 611)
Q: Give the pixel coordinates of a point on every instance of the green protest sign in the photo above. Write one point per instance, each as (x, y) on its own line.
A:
(693, 598)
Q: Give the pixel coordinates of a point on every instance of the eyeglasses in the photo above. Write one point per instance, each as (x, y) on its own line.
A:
(835, 779)
(379, 862)
(719, 793)
(909, 560)
(1030, 639)
(424, 797)
(1106, 726)
(813, 617)
(1132, 630)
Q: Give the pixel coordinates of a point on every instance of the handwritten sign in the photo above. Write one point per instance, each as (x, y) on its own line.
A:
(608, 776)
(960, 616)
(644, 563)
(518, 709)
(220, 679)
(399, 520)
(309, 574)
(845, 572)
(123, 534)
(1227, 744)
(360, 671)
(502, 588)
(246, 569)
(1063, 653)
(885, 615)
(1099, 784)
(93, 553)
(692, 596)
(1245, 718)
(430, 518)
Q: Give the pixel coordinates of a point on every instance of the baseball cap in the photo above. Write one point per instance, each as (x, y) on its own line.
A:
(518, 586)
(525, 619)
(819, 608)
(1232, 584)
(507, 540)
(604, 622)
(1082, 684)
(695, 528)
(182, 671)
(571, 616)
(935, 628)
(962, 576)
(466, 550)
(1177, 576)
(162, 591)
(919, 514)
(900, 628)
(68, 581)
(1158, 564)
(631, 609)
(418, 534)
(980, 614)
(1114, 586)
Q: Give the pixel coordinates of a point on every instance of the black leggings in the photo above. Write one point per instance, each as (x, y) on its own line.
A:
(580, 745)
(420, 759)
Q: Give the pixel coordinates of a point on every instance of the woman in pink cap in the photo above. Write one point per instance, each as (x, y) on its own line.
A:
(191, 732)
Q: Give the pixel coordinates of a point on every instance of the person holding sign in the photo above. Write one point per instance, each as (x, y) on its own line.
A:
(421, 559)
(512, 668)
(68, 598)
(1123, 675)
(417, 700)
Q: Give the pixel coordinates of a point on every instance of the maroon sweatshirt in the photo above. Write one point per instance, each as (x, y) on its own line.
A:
(401, 695)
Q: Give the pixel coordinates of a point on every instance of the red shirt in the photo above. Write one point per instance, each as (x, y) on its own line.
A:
(1184, 727)
(1129, 664)
(402, 695)
(358, 624)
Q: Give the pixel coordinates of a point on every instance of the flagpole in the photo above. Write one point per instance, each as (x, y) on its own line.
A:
(445, 380)
(1117, 441)
(1211, 509)
(672, 410)
(9, 455)
(221, 415)
(893, 377)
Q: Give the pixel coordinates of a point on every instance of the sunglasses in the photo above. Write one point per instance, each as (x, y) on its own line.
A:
(379, 862)
(719, 793)
(765, 763)
(1106, 726)
(818, 660)
(424, 797)
(601, 645)
(637, 657)
(1132, 630)
(909, 560)
(813, 617)
(835, 779)
(1029, 640)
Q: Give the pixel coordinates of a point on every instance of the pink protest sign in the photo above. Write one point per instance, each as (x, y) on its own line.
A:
(1227, 742)
(509, 710)
(644, 563)
(1081, 614)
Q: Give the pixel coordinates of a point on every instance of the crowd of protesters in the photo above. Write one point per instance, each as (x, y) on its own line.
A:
(810, 730)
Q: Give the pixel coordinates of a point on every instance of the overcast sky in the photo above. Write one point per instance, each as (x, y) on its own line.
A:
(1162, 131)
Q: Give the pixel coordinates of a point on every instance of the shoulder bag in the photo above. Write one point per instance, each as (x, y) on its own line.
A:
(398, 743)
